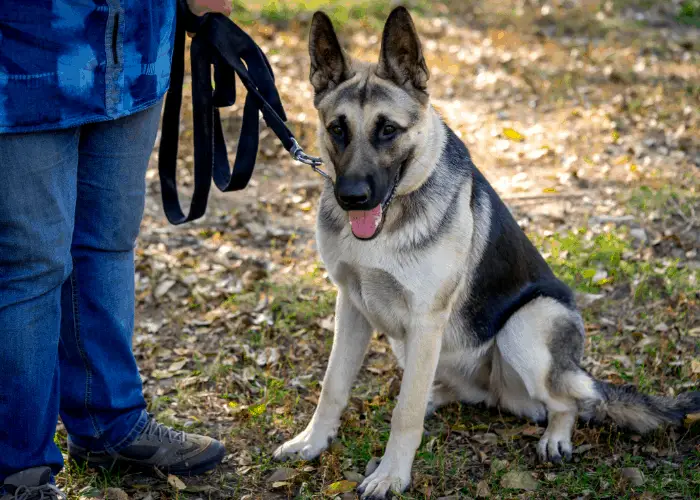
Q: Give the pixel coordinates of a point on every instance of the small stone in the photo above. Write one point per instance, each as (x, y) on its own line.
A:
(633, 475)
(582, 449)
(639, 234)
(519, 480)
(351, 475)
(372, 465)
(282, 474)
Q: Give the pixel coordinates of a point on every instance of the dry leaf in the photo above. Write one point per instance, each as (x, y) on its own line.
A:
(513, 135)
(482, 490)
(280, 484)
(161, 374)
(519, 480)
(340, 487)
(176, 482)
(177, 365)
(695, 366)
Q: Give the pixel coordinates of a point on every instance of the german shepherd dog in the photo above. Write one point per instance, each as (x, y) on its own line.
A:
(423, 250)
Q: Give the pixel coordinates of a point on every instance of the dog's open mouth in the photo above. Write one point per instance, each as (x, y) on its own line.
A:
(366, 224)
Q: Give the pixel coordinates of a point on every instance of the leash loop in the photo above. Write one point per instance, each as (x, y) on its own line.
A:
(219, 43)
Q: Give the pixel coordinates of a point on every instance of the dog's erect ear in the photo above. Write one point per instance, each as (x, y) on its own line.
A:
(329, 65)
(401, 58)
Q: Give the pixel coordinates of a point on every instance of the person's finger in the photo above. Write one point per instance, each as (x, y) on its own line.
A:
(201, 7)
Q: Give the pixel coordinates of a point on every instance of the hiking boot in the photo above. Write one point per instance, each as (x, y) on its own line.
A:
(159, 446)
(31, 484)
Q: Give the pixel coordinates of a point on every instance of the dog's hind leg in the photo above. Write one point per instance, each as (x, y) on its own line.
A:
(543, 343)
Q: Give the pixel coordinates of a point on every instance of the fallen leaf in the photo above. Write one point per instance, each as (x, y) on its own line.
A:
(482, 489)
(176, 482)
(282, 474)
(177, 365)
(163, 288)
(695, 366)
(340, 487)
(691, 419)
(161, 374)
(199, 488)
(513, 134)
(519, 480)
(498, 465)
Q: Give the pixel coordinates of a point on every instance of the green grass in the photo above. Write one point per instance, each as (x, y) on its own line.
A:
(589, 261)
(341, 12)
(690, 13)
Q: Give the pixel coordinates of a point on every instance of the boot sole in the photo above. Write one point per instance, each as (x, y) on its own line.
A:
(111, 464)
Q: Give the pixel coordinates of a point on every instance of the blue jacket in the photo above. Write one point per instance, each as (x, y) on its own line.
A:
(65, 63)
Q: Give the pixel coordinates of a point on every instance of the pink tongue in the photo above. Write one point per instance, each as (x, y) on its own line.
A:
(364, 223)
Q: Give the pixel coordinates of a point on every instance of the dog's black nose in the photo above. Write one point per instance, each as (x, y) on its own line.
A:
(353, 192)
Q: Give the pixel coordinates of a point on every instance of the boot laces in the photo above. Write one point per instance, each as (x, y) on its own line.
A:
(161, 431)
(42, 492)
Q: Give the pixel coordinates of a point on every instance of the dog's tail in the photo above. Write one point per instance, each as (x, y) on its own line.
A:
(629, 408)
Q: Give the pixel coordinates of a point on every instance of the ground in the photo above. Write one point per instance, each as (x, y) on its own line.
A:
(584, 116)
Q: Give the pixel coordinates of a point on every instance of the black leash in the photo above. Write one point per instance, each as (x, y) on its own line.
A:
(220, 43)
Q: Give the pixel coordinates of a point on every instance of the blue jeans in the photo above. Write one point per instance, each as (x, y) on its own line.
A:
(71, 203)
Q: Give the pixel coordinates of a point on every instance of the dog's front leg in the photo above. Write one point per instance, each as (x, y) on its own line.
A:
(423, 343)
(352, 335)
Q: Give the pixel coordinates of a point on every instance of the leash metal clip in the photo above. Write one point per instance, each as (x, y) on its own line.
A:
(313, 161)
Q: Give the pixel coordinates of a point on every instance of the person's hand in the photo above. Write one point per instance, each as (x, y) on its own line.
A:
(201, 7)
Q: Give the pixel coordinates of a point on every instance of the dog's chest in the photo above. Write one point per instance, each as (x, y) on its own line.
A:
(378, 295)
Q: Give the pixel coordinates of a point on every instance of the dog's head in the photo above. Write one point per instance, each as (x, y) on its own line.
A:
(369, 115)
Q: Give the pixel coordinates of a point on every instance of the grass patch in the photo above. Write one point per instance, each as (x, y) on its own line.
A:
(690, 13)
(341, 12)
(589, 262)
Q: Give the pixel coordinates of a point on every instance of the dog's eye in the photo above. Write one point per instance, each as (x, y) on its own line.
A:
(336, 130)
(388, 131)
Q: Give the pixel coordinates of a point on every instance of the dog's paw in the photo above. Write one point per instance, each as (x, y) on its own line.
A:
(304, 446)
(552, 447)
(384, 481)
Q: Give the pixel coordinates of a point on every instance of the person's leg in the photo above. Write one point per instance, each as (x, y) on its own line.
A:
(38, 173)
(102, 403)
